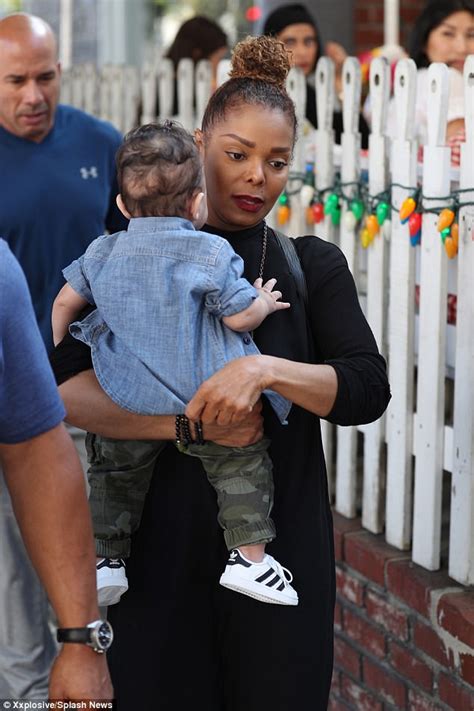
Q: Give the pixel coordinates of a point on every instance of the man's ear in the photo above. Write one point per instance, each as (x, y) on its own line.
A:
(122, 208)
(195, 206)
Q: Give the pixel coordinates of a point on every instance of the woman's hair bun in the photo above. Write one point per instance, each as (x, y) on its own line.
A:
(263, 58)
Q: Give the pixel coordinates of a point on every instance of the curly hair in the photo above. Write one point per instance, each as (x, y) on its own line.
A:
(260, 66)
(159, 170)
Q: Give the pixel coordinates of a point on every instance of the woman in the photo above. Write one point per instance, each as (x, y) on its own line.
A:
(295, 27)
(444, 32)
(198, 38)
(181, 639)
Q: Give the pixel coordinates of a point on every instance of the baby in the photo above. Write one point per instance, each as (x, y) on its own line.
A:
(171, 309)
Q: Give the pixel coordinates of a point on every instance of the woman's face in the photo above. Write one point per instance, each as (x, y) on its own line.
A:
(452, 40)
(301, 41)
(246, 163)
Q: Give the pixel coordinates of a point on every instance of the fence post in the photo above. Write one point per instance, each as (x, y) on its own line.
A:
(377, 279)
(117, 97)
(203, 88)
(324, 177)
(223, 70)
(186, 93)
(429, 420)
(324, 163)
(131, 97)
(166, 88)
(401, 318)
(461, 539)
(90, 88)
(346, 478)
(105, 83)
(296, 88)
(148, 80)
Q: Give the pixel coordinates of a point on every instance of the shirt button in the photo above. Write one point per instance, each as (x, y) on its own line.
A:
(247, 340)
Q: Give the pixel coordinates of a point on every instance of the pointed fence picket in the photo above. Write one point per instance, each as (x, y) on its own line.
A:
(395, 477)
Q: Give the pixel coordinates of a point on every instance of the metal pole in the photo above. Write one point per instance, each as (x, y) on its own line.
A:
(391, 21)
(65, 33)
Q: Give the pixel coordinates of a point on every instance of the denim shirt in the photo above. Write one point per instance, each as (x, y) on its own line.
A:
(161, 289)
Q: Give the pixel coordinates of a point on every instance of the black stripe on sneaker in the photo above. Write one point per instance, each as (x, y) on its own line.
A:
(265, 575)
(273, 581)
(281, 587)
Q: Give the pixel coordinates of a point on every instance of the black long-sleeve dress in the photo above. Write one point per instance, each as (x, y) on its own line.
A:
(184, 642)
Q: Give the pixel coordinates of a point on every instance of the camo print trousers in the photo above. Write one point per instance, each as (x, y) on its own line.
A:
(120, 473)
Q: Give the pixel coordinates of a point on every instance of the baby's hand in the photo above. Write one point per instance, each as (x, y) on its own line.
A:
(270, 297)
(454, 142)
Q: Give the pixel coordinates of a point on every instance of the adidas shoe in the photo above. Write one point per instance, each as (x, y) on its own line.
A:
(111, 581)
(267, 581)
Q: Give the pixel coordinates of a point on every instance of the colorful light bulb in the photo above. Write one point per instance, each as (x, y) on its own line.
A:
(451, 247)
(445, 219)
(445, 233)
(372, 225)
(306, 195)
(283, 214)
(365, 238)
(309, 215)
(382, 211)
(350, 220)
(318, 211)
(357, 208)
(408, 206)
(336, 216)
(331, 203)
(283, 199)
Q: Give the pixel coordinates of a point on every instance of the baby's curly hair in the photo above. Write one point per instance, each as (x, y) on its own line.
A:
(260, 66)
(159, 170)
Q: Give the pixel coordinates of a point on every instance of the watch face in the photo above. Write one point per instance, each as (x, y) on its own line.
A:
(103, 635)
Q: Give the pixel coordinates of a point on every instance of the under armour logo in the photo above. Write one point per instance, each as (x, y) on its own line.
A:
(91, 172)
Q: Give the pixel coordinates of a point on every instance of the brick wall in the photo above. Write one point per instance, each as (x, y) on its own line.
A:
(368, 22)
(404, 636)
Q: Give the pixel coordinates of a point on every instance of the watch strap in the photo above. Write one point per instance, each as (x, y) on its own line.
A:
(81, 635)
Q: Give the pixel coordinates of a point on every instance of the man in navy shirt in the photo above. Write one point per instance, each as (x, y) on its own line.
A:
(58, 184)
(57, 194)
(46, 484)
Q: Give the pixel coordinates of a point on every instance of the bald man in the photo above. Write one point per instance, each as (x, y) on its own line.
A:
(57, 193)
(58, 182)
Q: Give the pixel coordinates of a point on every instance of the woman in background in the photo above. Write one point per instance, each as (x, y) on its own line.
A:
(297, 29)
(444, 32)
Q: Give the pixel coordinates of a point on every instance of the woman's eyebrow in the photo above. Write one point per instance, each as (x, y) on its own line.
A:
(251, 144)
(245, 142)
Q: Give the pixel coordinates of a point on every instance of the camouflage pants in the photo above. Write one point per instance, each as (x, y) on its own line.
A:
(120, 473)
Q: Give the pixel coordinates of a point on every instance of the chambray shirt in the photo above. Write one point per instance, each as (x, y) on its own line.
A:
(161, 289)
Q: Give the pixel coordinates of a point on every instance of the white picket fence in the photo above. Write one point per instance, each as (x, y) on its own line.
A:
(413, 452)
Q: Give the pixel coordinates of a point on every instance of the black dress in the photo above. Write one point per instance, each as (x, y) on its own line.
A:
(184, 642)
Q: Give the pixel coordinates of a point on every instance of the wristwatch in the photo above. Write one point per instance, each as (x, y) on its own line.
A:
(98, 635)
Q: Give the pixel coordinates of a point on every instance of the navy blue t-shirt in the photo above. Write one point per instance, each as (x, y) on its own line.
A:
(55, 198)
(29, 400)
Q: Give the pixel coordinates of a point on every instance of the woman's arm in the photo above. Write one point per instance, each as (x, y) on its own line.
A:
(348, 384)
(231, 394)
(89, 408)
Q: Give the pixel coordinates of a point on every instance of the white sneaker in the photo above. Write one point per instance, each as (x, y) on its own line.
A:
(267, 581)
(112, 581)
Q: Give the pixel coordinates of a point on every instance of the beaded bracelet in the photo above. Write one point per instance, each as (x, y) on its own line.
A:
(183, 431)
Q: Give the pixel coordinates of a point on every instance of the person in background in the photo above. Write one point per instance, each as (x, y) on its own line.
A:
(46, 485)
(199, 38)
(297, 29)
(443, 32)
(58, 188)
(58, 181)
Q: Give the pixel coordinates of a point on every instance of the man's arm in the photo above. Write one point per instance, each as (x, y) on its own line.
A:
(47, 489)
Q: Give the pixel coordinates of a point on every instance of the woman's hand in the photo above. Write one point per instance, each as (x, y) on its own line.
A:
(229, 396)
(241, 434)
